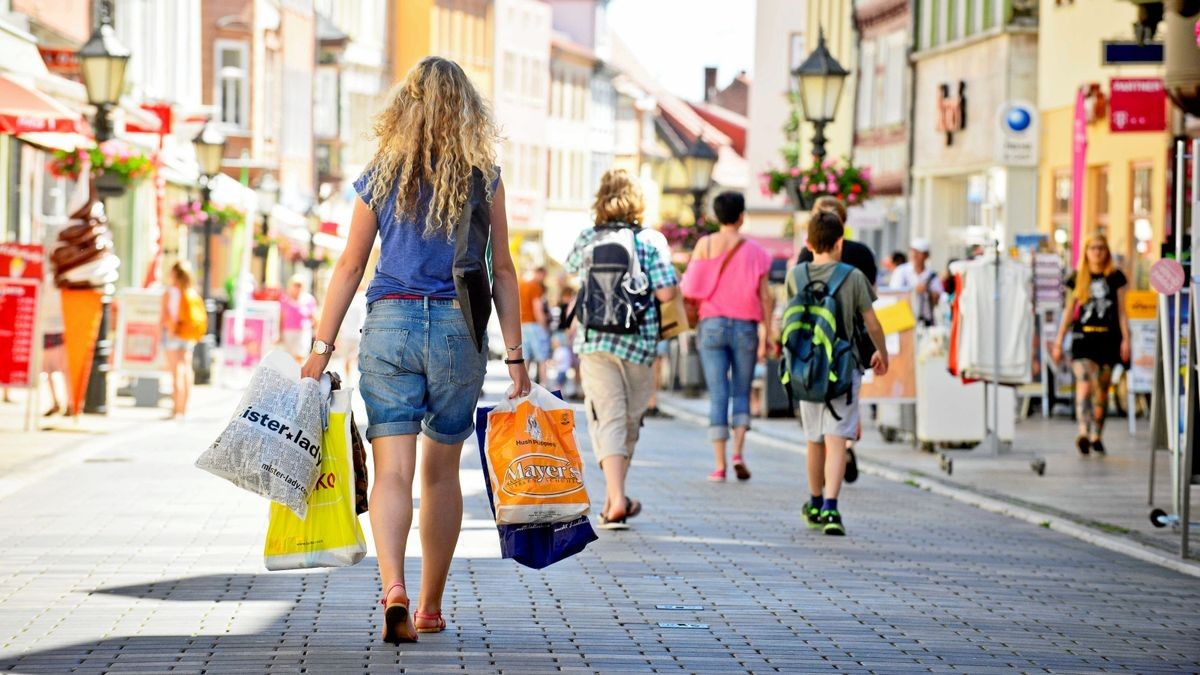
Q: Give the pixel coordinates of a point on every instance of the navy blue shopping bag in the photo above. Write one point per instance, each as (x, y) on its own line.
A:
(535, 546)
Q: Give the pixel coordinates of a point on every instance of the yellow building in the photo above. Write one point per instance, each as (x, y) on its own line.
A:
(1123, 194)
(460, 30)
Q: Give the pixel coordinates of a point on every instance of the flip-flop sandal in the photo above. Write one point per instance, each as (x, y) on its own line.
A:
(606, 524)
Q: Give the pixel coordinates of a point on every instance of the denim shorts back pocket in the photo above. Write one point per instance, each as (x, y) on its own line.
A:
(466, 365)
(381, 351)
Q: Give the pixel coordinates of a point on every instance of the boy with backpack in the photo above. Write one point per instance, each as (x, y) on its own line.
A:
(822, 368)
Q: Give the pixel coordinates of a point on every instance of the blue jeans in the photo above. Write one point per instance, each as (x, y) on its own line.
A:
(728, 352)
(420, 370)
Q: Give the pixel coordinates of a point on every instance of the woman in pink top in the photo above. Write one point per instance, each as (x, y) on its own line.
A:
(728, 276)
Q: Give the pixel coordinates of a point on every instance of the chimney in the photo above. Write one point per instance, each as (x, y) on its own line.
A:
(710, 83)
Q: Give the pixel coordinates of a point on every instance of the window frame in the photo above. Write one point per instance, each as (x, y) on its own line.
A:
(220, 46)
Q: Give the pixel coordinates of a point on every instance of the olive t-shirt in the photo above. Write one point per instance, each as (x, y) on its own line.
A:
(854, 297)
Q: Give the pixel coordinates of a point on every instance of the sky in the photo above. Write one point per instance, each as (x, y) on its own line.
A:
(675, 39)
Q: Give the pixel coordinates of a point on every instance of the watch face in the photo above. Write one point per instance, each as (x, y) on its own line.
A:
(320, 347)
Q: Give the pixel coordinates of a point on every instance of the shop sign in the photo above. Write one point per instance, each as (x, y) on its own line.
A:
(61, 61)
(1140, 305)
(1138, 104)
(23, 261)
(245, 346)
(1017, 137)
(18, 329)
(139, 341)
(951, 110)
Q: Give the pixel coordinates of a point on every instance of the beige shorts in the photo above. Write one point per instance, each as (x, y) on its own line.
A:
(819, 421)
(616, 394)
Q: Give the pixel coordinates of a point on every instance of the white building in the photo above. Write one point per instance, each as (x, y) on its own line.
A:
(522, 86)
(568, 137)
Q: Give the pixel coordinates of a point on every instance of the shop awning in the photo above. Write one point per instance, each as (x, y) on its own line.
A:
(26, 110)
(56, 140)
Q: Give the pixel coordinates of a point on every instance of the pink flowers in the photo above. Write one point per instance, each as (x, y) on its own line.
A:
(795, 171)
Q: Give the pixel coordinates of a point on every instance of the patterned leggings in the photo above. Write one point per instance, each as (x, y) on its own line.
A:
(1092, 382)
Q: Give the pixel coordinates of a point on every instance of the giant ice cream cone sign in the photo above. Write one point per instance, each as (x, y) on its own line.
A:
(84, 264)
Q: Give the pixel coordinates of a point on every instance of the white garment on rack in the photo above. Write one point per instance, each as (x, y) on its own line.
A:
(978, 332)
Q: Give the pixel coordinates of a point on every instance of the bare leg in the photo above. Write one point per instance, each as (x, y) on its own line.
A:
(835, 465)
(719, 451)
(616, 467)
(816, 468)
(391, 506)
(739, 441)
(441, 519)
(186, 376)
(173, 357)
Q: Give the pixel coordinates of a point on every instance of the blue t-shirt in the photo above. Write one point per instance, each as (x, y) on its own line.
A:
(409, 263)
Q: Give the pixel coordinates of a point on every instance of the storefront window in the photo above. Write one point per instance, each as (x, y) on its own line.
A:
(1141, 227)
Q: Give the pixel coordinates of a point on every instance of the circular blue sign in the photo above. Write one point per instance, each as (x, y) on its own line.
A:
(1018, 118)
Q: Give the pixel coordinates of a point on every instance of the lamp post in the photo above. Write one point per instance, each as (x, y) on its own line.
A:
(102, 61)
(268, 197)
(819, 85)
(698, 165)
(209, 145)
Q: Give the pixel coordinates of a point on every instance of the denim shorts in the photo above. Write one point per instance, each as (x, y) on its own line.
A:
(420, 370)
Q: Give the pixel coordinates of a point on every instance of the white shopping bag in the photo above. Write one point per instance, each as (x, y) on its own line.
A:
(272, 445)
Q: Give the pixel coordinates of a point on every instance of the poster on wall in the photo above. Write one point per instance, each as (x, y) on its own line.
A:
(139, 333)
(260, 331)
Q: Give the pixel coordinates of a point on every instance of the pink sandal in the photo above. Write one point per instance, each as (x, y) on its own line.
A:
(395, 615)
(436, 616)
(739, 467)
(717, 476)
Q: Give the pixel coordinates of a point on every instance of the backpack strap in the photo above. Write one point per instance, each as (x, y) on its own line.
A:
(840, 274)
(802, 276)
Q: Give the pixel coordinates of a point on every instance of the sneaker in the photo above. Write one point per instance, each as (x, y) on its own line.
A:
(1084, 444)
(851, 466)
(832, 523)
(812, 514)
(1098, 446)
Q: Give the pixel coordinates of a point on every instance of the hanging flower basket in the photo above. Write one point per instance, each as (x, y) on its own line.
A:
(195, 214)
(684, 237)
(115, 165)
(847, 182)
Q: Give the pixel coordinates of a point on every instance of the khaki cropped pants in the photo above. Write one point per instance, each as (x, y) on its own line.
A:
(616, 394)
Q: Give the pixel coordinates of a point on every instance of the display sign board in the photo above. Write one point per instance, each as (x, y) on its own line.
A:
(1017, 134)
(1123, 52)
(1137, 104)
(139, 341)
(21, 261)
(259, 331)
(18, 330)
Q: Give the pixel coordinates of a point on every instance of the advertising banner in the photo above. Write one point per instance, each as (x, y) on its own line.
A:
(18, 325)
(139, 342)
(1137, 104)
(260, 331)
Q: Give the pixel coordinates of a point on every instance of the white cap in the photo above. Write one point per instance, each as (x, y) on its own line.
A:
(921, 245)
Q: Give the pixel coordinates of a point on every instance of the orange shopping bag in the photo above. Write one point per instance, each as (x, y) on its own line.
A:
(533, 461)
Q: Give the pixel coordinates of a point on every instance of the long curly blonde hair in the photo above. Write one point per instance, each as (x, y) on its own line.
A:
(619, 199)
(433, 132)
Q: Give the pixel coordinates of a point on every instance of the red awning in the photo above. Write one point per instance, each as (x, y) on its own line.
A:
(26, 110)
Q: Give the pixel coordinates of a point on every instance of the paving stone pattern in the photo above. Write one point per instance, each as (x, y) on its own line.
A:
(139, 563)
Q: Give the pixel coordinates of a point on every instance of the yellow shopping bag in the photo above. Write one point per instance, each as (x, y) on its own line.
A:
(330, 535)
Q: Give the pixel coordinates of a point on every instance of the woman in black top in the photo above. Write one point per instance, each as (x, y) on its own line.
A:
(1099, 337)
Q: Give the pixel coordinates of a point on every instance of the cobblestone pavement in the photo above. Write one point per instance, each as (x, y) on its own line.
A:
(130, 560)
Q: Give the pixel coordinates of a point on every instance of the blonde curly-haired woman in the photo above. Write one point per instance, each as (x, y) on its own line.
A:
(434, 197)
(616, 368)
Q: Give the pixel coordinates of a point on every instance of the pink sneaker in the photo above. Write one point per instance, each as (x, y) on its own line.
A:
(717, 476)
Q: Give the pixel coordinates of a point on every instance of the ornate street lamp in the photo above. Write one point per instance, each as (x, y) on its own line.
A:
(268, 197)
(819, 87)
(698, 166)
(209, 145)
(102, 60)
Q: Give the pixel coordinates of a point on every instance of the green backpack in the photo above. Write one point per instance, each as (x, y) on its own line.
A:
(818, 358)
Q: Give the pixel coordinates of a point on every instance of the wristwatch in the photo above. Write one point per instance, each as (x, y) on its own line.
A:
(321, 347)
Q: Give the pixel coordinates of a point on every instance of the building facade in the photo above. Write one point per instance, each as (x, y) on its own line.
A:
(522, 86)
(461, 30)
(975, 126)
(568, 138)
(1124, 171)
(881, 122)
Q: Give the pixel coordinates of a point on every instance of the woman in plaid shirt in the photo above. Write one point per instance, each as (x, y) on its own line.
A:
(617, 369)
